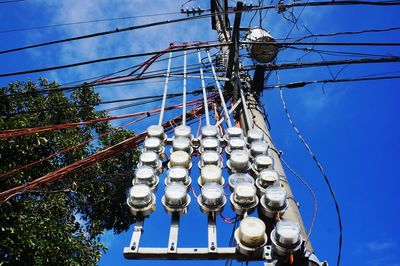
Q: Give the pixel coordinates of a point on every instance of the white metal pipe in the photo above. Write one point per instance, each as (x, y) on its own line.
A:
(203, 87)
(165, 90)
(221, 95)
(184, 90)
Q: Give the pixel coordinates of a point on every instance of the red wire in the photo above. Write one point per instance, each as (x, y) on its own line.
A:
(29, 165)
(83, 164)
(8, 133)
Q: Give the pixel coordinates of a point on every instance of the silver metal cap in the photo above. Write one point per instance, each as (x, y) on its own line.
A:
(211, 174)
(210, 158)
(177, 174)
(209, 144)
(235, 144)
(245, 194)
(149, 158)
(145, 175)
(238, 178)
(156, 131)
(179, 158)
(212, 195)
(263, 161)
(275, 197)
(183, 131)
(258, 147)
(232, 132)
(267, 177)
(175, 195)
(181, 144)
(209, 131)
(251, 232)
(239, 161)
(254, 134)
(287, 233)
(153, 144)
(140, 196)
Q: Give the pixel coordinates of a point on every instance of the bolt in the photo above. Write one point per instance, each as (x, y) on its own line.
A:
(212, 246)
(133, 246)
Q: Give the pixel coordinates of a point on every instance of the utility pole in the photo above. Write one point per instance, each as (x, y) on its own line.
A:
(252, 109)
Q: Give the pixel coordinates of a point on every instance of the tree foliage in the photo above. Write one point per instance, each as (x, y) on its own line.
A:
(60, 223)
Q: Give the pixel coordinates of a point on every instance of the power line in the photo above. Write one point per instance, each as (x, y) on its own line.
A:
(344, 33)
(84, 22)
(283, 44)
(31, 71)
(281, 8)
(299, 84)
(309, 188)
(319, 165)
(117, 30)
(153, 98)
(332, 63)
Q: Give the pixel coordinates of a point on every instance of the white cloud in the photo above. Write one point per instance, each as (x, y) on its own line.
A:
(380, 246)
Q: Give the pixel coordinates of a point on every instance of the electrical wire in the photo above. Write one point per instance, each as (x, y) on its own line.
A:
(57, 153)
(31, 71)
(281, 8)
(298, 39)
(85, 163)
(311, 192)
(299, 84)
(16, 132)
(83, 22)
(319, 165)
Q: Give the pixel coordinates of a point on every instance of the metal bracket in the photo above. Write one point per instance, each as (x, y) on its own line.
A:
(212, 233)
(137, 234)
(173, 233)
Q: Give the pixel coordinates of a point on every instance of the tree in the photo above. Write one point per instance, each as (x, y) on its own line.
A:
(60, 223)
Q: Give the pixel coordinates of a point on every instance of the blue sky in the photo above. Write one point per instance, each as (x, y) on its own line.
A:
(351, 127)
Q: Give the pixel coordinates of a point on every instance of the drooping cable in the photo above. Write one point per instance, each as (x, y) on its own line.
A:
(221, 95)
(319, 165)
(164, 99)
(302, 180)
(203, 87)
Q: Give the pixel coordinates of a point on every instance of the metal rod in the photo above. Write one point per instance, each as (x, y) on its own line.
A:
(173, 233)
(221, 95)
(203, 87)
(184, 90)
(165, 90)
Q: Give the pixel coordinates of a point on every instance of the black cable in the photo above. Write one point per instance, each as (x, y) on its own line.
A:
(299, 84)
(344, 33)
(84, 22)
(156, 97)
(332, 63)
(281, 8)
(148, 25)
(284, 44)
(107, 59)
(309, 188)
(319, 165)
